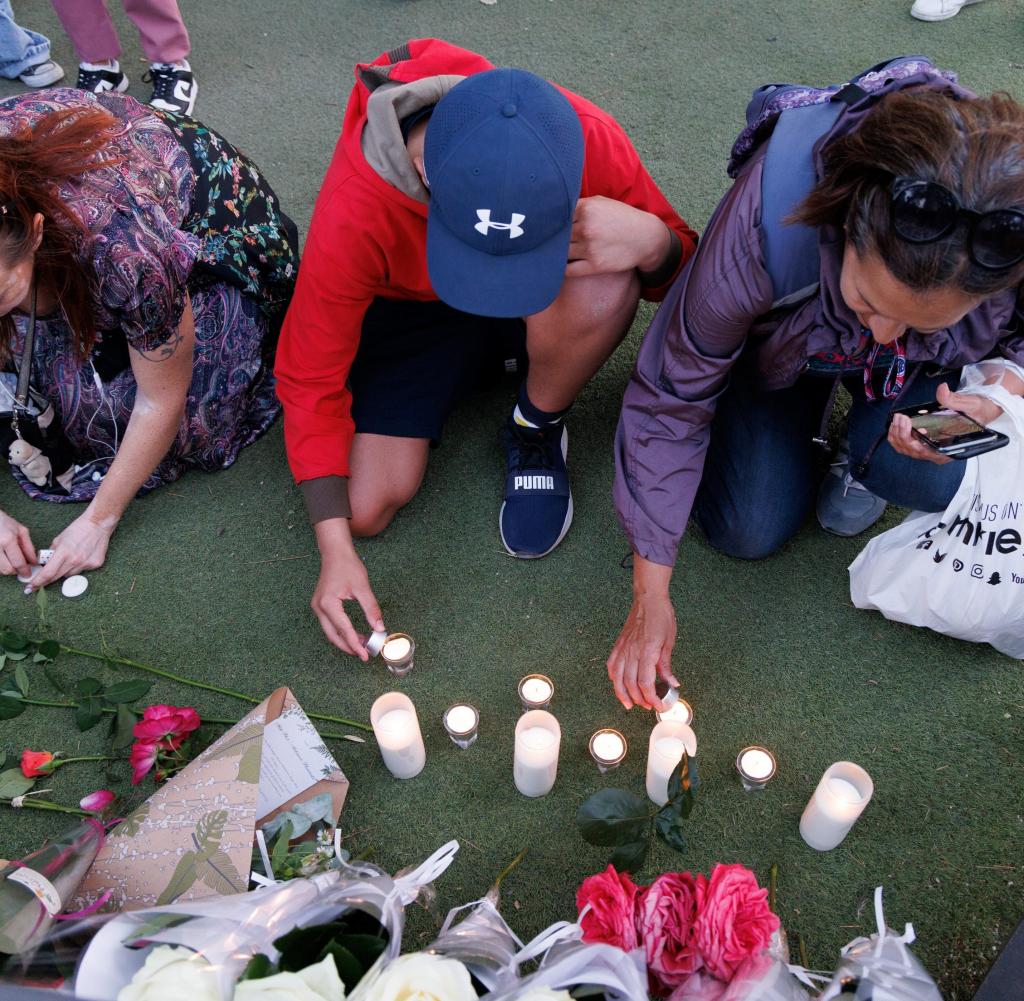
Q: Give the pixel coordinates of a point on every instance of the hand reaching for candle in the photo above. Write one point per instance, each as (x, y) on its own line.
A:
(643, 651)
(342, 578)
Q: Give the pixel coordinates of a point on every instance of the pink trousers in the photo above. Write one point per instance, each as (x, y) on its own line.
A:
(92, 32)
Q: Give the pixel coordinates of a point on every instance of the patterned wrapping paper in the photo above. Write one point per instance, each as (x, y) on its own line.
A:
(193, 838)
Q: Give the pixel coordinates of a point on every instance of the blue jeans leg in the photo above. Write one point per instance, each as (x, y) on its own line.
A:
(19, 47)
(762, 469)
(913, 483)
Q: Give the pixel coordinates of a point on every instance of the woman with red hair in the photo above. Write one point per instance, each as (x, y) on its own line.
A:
(144, 268)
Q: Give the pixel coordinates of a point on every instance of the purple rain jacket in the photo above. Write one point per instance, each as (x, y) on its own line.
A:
(714, 314)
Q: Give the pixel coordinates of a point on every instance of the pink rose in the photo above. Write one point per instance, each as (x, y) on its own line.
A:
(98, 801)
(665, 915)
(733, 919)
(612, 915)
(142, 757)
(167, 725)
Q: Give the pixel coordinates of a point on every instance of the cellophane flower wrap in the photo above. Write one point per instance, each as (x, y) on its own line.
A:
(35, 889)
(227, 932)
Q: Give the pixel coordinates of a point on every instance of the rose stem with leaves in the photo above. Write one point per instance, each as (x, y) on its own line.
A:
(42, 804)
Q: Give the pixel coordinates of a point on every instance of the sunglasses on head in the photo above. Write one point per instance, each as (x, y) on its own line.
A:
(926, 211)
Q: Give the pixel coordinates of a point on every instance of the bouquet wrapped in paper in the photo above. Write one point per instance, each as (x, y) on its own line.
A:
(881, 967)
(34, 890)
(227, 937)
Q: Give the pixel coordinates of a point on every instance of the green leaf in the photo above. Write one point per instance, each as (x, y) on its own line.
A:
(612, 817)
(124, 722)
(3, 758)
(630, 857)
(153, 924)
(242, 739)
(669, 826)
(127, 691)
(88, 713)
(3, 660)
(10, 707)
(366, 948)
(258, 967)
(182, 880)
(249, 764)
(302, 816)
(16, 656)
(58, 683)
(13, 783)
(21, 678)
(210, 830)
(13, 642)
(42, 601)
(349, 968)
(48, 649)
(280, 852)
(218, 872)
(87, 687)
(133, 823)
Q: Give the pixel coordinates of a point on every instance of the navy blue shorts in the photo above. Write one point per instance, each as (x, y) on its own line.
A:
(417, 360)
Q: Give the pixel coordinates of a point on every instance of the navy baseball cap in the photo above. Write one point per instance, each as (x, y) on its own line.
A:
(503, 157)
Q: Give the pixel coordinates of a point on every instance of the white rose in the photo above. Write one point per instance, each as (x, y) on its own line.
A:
(171, 973)
(422, 976)
(543, 994)
(319, 982)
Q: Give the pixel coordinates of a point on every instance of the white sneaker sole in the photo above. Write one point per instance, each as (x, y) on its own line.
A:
(565, 524)
(931, 18)
(43, 79)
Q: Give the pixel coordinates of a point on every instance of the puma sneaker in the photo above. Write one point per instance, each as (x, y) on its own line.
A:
(846, 507)
(102, 78)
(537, 510)
(174, 87)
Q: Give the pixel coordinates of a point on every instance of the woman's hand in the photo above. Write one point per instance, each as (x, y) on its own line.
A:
(643, 651)
(903, 440)
(343, 577)
(81, 546)
(17, 554)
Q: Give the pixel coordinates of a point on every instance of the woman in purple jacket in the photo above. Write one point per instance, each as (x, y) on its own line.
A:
(919, 213)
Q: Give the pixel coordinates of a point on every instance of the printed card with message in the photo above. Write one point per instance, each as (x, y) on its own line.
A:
(193, 838)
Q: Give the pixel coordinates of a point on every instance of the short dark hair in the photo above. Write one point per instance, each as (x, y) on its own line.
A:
(974, 147)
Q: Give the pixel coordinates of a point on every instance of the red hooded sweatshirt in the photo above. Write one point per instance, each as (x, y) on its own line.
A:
(367, 239)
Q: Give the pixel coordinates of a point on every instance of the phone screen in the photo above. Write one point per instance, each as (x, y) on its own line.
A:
(948, 427)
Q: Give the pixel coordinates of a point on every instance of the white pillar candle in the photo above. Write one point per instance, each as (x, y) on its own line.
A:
(664, 751)
(840, 798)
(397, 730)
(607, 748)
(535, 765)
(536, 692)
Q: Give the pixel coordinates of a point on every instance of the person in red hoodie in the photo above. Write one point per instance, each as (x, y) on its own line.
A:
(470, 216)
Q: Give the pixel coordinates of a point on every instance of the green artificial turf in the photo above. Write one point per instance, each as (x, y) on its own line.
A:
(212, 576)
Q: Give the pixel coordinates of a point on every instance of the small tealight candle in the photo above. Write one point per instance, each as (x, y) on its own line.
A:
(665, 750)
(375, 642)
(397, 729)
(461, 722)
(607, 748)
(535, 765)
(536, 692)
(681, 712)
(398, 652)
(756, 766)
(843, 792)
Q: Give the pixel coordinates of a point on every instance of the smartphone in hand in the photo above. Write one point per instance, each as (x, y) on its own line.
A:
(952, 432)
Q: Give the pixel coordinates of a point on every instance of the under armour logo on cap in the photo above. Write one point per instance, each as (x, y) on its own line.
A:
(514, 227)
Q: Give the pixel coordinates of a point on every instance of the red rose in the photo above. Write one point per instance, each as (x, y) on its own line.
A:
(35, 763)
(734, 921)
(611, 919)
(142, 758)
(167, 725)
(665, 915)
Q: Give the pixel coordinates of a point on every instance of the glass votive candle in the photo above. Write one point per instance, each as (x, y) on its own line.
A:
(681, 711)
(756, 765)
(843, 792)
(608, 749)
(536, 692)
(461, 722)
(664, 752)
(397, 729)
(398, 652)
(535, 765)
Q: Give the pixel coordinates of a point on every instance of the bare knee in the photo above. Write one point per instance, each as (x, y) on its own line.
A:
(371, 519)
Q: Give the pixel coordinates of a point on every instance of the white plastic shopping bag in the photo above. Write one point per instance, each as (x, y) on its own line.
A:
(960, 572)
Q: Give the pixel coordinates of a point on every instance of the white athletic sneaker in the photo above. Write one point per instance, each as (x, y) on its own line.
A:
(174, 87)
(938, 10)
(42, 74)
(101, 78)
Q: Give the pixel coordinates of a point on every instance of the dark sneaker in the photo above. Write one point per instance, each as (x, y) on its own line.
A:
(42, 74)
(101, 79)
(174, 87)
(846, 507)
(537, 510)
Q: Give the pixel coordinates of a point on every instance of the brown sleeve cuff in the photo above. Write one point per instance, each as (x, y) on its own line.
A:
(326, 497)
(667, 269)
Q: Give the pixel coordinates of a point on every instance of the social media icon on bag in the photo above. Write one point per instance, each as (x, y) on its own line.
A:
(958, 565)
(977, 570)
